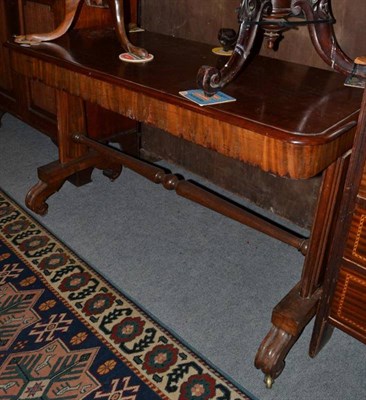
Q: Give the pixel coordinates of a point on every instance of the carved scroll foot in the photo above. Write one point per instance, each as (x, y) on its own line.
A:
(52, 176)
(116, 7)
(38, 194)
(137, 51)
(250, 13)
(289, 318)
(113, 171)
(272, 352)
(36, 197)
(209, 79)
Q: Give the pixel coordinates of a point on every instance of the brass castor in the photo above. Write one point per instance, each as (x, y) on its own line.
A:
(269, 381)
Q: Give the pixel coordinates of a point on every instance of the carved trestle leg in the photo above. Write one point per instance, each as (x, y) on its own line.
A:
(36, 197)
(52, 176)
(76, 162)
(298, 307)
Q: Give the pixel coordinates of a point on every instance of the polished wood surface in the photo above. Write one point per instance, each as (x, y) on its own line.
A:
(288, 119)
(288, 138)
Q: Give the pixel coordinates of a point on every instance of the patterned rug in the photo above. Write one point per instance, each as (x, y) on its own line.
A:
(68, 334)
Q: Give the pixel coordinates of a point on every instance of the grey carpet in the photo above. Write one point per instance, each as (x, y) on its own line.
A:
(211, 280)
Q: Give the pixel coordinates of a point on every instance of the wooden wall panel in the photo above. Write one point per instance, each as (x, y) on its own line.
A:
(8, 26)
(201, 20)
(38, 17)
(93, 17)
(192, 19)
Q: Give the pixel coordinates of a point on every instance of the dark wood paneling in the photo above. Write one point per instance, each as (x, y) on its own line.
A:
(201, 20)
(189, 19)
(9, 25)
(93, 17)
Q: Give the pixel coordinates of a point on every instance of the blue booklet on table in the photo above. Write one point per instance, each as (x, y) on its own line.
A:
(198, 96)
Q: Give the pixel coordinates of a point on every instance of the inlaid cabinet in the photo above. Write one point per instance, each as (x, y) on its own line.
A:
(343, 303)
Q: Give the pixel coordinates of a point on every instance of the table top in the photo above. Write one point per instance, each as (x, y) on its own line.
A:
(279, 100)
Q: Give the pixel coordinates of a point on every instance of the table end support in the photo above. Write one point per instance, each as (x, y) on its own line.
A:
(289, 319)
(53, 175)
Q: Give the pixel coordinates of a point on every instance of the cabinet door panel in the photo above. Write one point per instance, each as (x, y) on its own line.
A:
(348, 306)
(9, 25)
(355, 250)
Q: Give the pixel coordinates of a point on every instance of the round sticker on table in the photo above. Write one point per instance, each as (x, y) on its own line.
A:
(221, 52)
(131, 58)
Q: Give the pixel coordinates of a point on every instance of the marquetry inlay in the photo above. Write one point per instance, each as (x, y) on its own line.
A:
(356, 243)
(350, 295)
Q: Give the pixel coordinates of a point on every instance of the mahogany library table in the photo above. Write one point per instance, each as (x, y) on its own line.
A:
(290, 120)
